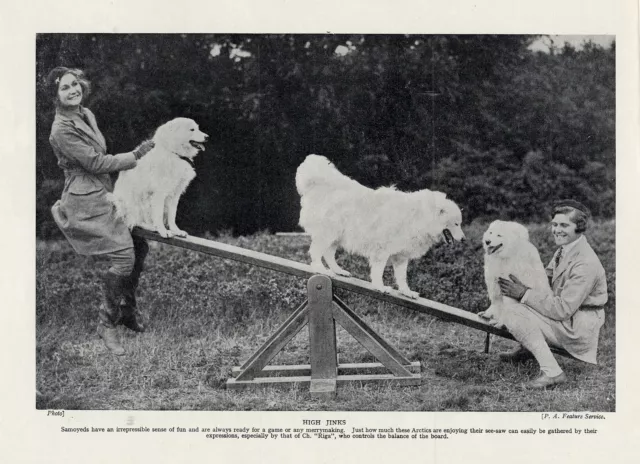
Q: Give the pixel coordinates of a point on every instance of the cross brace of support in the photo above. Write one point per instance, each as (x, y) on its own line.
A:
(320, 313)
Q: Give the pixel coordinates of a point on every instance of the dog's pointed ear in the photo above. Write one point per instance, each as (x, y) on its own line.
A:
(439, 196)
(161, 131)
(519, 231)
(438, 199)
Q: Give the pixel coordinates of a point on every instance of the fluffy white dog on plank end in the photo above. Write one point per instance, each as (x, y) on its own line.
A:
(508, 251)
(147, 196)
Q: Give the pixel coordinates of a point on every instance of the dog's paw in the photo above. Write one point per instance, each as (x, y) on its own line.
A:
(409, 293)
(343, 273)
(320, 269)
(491, 319)
(179, 233)
(383, 289)
(488, 313)
(164, 233)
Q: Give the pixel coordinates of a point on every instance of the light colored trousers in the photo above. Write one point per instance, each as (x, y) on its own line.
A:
(535, 332)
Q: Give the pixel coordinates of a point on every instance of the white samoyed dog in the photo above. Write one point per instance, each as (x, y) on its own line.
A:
(147, 196)
(381, 225)
(508, 251)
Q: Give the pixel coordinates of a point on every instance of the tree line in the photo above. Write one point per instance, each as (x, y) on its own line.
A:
(502, 129)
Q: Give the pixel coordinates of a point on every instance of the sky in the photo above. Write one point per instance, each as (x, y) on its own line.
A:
(575, 40)
(541, 44)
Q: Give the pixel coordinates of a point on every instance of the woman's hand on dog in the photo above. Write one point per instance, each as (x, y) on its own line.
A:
(144, 148)
(513, 288)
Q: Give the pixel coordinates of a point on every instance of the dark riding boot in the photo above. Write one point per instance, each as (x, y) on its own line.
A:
(109, 313)
(131, 318)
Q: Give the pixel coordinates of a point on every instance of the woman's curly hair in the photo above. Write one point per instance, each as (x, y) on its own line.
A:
(53, 82)
(578, 213)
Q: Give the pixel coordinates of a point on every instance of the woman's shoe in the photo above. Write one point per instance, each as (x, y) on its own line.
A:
(544, 381)
(110, 337)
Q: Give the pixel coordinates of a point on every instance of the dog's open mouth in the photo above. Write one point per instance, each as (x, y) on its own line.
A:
(448, 236)
(492, 249)
(197, 145)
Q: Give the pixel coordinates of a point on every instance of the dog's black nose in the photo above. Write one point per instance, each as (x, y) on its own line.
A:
(206, 137)
(463, 239)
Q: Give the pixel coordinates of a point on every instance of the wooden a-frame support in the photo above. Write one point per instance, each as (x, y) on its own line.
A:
(320, 313)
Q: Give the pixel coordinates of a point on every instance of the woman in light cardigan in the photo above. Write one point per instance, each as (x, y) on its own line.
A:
(572, 316)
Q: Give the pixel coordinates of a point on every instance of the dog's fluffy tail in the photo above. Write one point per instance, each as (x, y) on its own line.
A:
(121, 209)
(317, 170)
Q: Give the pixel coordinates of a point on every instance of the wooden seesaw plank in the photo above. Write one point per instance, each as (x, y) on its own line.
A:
(287, 266)
(295, 268)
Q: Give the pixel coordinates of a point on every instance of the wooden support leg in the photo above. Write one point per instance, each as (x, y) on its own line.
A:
(371, 341)
(487, 343)
(322, 338)
(371, 333)
(274, 344)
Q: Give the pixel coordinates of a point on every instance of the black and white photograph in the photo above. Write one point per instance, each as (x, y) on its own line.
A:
(325, 222)
(338, 231)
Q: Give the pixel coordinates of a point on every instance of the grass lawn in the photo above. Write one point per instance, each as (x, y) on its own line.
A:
(207, 315)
